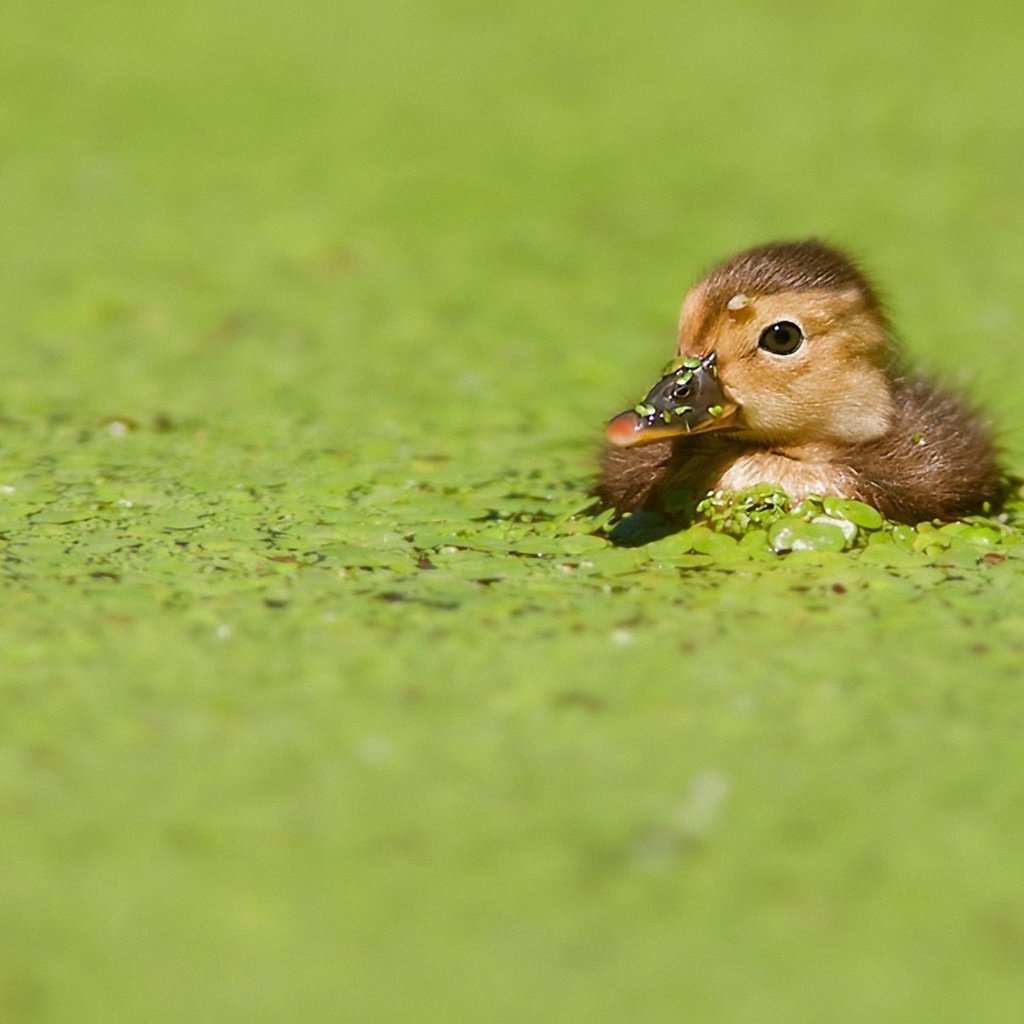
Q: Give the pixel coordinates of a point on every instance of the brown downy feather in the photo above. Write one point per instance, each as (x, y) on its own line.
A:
(936, 462)
(787, 266)
(635, 479)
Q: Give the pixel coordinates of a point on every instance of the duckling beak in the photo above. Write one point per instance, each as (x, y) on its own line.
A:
(688, 400)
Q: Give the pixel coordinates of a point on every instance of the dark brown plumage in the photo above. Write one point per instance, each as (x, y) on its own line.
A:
(831, 415)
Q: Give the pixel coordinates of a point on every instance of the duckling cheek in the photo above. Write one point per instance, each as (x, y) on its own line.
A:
(768, 414)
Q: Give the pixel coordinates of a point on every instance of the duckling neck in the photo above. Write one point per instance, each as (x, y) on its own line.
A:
(799, 470)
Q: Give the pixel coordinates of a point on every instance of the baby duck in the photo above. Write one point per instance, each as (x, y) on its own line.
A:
(787, 374)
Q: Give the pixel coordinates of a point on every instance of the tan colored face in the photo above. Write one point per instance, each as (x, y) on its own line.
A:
(802, 366)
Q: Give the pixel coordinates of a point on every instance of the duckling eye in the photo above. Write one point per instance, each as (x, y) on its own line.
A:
(781, 339)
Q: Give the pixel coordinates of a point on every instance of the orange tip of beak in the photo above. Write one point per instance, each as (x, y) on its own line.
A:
(622, 431)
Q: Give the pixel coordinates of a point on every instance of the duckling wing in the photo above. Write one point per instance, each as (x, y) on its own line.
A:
(630, 477)
(937, 461)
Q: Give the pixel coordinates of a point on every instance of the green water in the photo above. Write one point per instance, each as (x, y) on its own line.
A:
(321, 700)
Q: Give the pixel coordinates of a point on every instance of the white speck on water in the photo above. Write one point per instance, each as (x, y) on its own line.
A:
(118, 428)
(687, 825)
(7, 489)
(223, 631)
(997, 317)
(125, 503)
(744, 705)
(622, 637)
(375, 751)
(702, 808)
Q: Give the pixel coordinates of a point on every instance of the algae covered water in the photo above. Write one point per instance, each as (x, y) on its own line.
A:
(326, 693)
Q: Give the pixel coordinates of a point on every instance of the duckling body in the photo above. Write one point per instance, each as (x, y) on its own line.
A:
(787, 375)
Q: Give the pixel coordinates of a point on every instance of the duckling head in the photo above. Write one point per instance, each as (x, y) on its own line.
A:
(783, 345)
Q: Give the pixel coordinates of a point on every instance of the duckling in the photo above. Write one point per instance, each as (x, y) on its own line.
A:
(786, 373)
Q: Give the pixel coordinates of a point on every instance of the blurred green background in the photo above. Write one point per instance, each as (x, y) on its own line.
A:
(291, 294)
